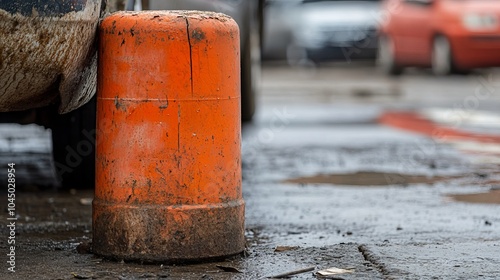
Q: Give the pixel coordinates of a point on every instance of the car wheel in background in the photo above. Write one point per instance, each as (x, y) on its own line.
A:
(442, 57)
(73, 147)
(386, 57)
(443, 62)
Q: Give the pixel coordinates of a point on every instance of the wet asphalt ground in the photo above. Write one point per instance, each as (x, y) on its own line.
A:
(325, 184)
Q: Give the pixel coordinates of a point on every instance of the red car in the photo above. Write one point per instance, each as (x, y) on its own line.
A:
(447, 35)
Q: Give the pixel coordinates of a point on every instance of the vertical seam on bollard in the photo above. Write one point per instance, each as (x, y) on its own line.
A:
(190, 55)
(191, 80)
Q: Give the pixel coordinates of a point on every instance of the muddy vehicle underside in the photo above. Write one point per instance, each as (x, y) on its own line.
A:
(47, 53)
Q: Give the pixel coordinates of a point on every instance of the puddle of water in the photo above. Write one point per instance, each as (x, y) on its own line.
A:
(492, 197)
(369, 179)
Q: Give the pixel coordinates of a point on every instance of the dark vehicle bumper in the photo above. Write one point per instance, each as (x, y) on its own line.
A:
(44, 8)
(344, 53)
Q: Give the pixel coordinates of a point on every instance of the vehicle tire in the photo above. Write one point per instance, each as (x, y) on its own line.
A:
(250, 74)
(386, 59)
(443, 62)
(442, 57)
(73, 147)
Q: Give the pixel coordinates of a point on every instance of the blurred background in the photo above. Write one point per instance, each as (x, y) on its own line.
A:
(401, 53)
(448, 36)
(313, 32)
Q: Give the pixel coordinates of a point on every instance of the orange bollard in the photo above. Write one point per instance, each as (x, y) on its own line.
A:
(168, 175)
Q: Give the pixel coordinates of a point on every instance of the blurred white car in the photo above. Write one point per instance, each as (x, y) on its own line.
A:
(335, 30)
(278, 28)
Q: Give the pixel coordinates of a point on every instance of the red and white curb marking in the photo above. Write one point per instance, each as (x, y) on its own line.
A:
(447, 126)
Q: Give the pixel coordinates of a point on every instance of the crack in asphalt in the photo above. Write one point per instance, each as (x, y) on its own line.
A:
(370, 257)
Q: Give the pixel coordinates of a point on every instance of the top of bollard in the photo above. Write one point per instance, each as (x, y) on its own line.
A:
(160, 20)
(188, 14)
(204, 15)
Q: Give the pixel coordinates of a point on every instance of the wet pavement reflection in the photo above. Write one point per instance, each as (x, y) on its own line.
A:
(325, 184)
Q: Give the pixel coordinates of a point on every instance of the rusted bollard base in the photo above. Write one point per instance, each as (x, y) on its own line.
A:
(168, 234)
